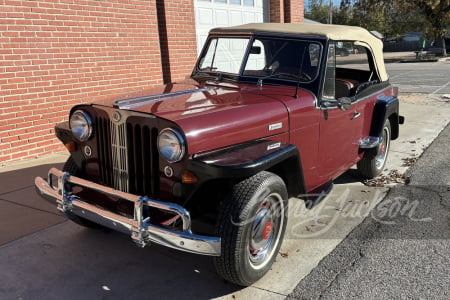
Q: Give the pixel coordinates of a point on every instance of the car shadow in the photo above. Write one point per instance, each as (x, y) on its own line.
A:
(68, 261)
(350, 176)
(159, 271)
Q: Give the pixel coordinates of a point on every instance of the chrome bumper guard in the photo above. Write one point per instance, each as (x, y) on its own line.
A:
(142, 232)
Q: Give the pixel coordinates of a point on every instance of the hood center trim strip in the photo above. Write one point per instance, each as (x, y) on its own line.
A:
(145, 100)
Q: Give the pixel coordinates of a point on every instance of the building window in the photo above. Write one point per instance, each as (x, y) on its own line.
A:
(249, 2)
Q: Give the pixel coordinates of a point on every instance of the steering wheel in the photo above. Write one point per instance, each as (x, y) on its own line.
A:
(272, 67)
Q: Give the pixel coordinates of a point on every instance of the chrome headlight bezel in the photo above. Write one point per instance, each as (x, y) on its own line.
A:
(80, 124)
(170, 139)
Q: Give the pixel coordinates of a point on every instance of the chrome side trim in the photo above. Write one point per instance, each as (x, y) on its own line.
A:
(140, 229)
(370, 142)
(145, 100)
(357, 101)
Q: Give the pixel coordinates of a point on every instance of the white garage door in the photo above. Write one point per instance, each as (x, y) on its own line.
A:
(221, 13)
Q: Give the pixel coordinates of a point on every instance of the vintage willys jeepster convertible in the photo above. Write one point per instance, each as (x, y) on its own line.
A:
(207, 165)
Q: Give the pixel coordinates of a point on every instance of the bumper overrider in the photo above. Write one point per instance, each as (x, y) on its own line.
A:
(142, 232)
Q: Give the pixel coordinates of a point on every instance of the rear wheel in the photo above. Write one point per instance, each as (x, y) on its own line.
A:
(71, 167)
(372, 165)
(251, 224)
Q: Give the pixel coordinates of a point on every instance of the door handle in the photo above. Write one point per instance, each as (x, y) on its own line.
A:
(355, 115)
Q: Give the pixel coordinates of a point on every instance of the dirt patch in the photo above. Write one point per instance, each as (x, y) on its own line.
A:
(422, 98)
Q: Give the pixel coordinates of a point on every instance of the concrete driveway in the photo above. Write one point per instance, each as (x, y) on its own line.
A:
(43, 256)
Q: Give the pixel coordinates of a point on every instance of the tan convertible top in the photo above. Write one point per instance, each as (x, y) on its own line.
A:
(332, 32)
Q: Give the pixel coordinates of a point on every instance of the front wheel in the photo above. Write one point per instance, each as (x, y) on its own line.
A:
(371, 165)
(251, 224)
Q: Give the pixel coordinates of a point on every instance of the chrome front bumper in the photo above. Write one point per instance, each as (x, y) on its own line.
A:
(142, 232)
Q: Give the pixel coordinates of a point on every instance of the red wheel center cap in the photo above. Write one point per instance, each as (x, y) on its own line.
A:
(383, 148)
(267, 230)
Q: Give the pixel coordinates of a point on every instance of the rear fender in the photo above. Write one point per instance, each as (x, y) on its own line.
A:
(386, 107)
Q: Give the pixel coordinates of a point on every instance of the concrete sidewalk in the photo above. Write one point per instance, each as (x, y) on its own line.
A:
(33, 229)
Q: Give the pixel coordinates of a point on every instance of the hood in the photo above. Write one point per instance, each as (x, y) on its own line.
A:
(216, 115)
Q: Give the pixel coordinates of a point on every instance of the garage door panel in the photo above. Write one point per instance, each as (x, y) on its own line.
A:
(221, 17)
(249, 17)
(222, 13)
(205, 16)
(259, 17)
(236, 18)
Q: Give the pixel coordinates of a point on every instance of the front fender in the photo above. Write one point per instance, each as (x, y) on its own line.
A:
(65, 135)
(248, 159)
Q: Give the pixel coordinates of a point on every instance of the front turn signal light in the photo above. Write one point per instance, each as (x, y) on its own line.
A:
(71, 147)
(188, 177)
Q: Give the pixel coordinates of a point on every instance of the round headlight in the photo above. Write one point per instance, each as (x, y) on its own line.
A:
(171, 145)
(81, 125)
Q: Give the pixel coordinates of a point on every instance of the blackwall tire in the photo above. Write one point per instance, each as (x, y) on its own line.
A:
(252, 224)
(71, 167)
(370, 166)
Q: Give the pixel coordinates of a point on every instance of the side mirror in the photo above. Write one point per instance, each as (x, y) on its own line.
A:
(255, 50)
(345, 103)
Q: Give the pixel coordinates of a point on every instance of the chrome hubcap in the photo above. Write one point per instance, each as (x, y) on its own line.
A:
(265, 230)
(383, 149)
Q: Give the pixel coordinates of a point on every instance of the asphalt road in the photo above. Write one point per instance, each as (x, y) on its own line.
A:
(425, 78)
(402, 251)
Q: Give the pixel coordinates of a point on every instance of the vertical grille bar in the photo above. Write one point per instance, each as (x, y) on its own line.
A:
(105, 156)
(154, 156)
(140, 159)
(146, 155)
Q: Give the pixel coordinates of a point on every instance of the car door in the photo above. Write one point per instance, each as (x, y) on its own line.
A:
(338, 126)
(358, 72)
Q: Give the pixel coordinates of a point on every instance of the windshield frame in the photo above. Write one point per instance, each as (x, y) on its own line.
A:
(241, 77)
(199, 71)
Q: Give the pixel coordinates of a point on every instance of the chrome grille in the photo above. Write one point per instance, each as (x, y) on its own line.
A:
(127, 153)
(119, 157)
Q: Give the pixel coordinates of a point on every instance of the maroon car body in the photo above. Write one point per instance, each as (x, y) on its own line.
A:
(207, 165)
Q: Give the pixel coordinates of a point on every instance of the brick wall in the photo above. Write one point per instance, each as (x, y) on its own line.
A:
(57, 53)
(286, 11)
(294, 11)
(178, 42)
(276, 11)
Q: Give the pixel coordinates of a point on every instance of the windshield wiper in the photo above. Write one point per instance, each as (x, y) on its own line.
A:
(222, 84)
(299, 77)
(216, 75)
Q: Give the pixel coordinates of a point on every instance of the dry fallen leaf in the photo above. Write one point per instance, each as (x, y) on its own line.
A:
(393, 176)
(284, 254)
(409, 161)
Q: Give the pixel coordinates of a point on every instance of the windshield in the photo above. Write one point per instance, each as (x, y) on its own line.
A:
(224, 55)
(275, 58)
